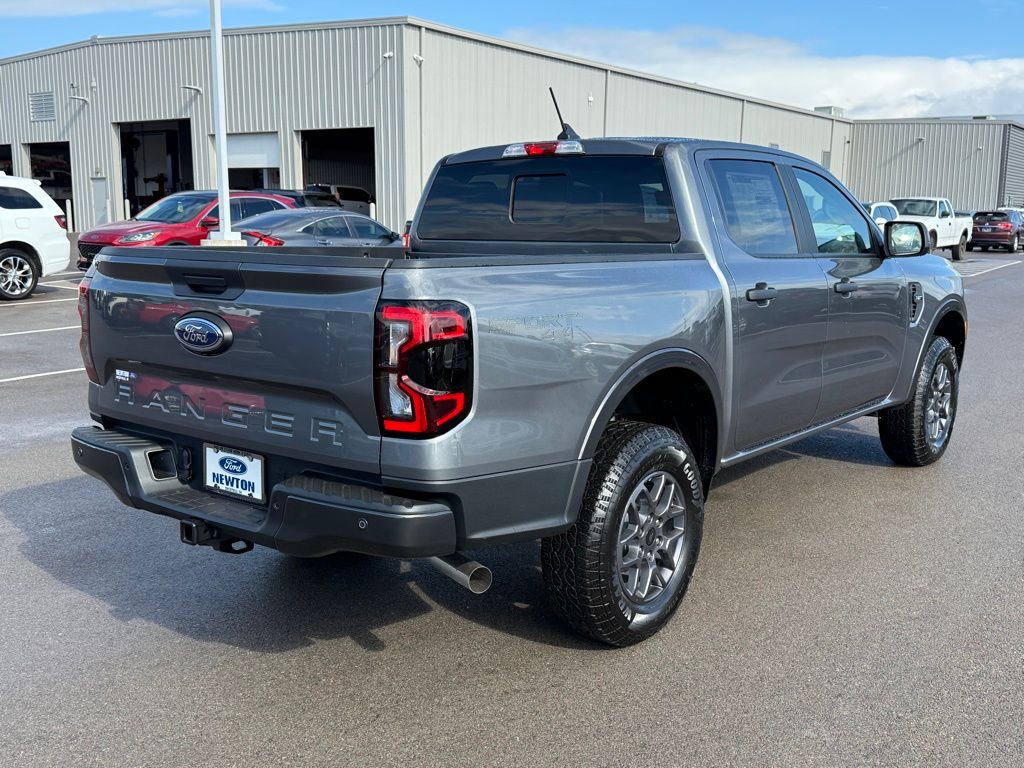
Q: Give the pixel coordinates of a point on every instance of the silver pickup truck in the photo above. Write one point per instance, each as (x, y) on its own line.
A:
(581, 334)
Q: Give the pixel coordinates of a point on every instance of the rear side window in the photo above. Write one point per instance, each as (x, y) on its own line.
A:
(13, 198)
(253, 206)
(595, 199)
(757, 216)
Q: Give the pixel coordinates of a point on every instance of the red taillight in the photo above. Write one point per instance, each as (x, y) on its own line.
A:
(262, 239)
(84, 344)
(62, 221)
(424, 367)
(405, 240)
(1005, 225)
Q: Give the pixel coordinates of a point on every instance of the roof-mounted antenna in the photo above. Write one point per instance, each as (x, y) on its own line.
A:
(567, 134)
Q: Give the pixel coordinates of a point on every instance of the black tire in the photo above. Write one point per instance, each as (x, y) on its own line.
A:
(903, 428)
(582, 567)
(957, 250)
(1014, 244)
(971, 246)
(984, 249)
(19, 274)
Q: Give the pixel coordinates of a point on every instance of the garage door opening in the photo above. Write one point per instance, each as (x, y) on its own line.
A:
(51, 166)
(156, 160)
(339, 160)
(254, 161)
(6, 159)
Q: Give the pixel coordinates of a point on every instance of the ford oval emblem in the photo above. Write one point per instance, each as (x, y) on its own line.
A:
(202, 335)
(232, 465)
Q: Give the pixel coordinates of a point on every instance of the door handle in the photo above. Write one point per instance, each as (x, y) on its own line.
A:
(762, 293)
(323, 241)
(845, 287)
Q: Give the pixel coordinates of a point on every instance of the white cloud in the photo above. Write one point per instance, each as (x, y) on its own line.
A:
(778, 70)
(19, 8)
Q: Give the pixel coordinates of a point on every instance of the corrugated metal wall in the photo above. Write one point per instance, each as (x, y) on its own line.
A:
(440, 91)
(1012, 192)
(939, 158)
(469, 91)
(283, 81)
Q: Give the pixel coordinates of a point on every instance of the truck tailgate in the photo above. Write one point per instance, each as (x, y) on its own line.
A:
(295, 376)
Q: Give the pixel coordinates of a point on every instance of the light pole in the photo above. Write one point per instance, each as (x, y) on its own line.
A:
(223, 235)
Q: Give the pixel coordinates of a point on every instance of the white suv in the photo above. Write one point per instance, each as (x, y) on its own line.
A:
(33, 236)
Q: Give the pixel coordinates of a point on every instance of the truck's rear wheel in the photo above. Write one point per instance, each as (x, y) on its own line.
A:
(958, 250)
(917, 433)
(619, 572)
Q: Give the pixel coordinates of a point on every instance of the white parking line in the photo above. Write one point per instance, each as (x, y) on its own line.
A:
(58, 285)
(65, 274)
(41, 330)
(993, 269)
(30, 303)
(39, 375)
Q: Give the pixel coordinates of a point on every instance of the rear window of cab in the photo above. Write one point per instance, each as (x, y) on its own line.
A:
(573, 199)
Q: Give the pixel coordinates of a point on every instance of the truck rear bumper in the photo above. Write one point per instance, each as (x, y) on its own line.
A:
(305, 516)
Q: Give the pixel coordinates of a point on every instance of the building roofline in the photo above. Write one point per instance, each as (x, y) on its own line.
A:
(940, 121)
(433, 26)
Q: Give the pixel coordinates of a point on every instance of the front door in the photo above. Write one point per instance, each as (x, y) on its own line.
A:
(867, 296)
(779, 297)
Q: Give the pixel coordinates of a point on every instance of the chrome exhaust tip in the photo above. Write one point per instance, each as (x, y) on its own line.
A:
(460, 569)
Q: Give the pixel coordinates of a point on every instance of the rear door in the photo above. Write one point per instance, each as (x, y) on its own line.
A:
(294, 379)
(779, 297)
(867, 296)
(369, 232)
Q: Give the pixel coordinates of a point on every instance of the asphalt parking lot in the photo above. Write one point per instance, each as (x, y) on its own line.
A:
(844, 612)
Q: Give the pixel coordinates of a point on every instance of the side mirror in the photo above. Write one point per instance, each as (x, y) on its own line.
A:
(881, 222)
(392, 236)
(210, 222)
(944, 215)
(906, 238)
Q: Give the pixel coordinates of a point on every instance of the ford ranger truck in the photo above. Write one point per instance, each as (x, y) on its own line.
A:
(580, 336)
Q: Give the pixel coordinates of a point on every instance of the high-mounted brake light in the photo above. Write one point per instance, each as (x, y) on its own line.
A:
(532, 149)
(424, 367)
(84, 343)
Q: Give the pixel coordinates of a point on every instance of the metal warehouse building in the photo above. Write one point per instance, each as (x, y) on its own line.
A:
(370, 103)
(976, 163)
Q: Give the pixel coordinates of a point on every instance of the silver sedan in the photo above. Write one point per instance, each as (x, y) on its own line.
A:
(316, 228)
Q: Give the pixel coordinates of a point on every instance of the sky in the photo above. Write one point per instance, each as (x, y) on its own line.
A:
(875, 59)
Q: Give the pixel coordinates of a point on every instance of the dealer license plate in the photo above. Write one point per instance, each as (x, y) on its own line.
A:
(233, 472)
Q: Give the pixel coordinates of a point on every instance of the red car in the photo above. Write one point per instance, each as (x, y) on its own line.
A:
(184, 218)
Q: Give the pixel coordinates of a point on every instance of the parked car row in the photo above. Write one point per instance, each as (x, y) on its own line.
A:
(263, 217)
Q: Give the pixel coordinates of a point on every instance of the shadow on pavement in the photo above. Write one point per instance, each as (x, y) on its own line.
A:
(263, 601)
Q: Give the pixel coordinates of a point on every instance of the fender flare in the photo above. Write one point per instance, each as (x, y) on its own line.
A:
(637, 371)
(949, 304)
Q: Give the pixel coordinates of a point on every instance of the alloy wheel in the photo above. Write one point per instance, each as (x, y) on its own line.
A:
(15, 275)
(651, 538)
(939, 406)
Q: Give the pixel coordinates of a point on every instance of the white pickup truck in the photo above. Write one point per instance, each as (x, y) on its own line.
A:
(947, 230)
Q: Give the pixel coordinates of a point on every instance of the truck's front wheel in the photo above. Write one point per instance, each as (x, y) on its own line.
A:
(917, 433)
(619, 572)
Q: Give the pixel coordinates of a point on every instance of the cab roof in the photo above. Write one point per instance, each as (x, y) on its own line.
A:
(625, 145)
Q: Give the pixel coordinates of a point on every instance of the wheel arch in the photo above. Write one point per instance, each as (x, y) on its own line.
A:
(676, 388)
(28, 250)
(951, 323)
